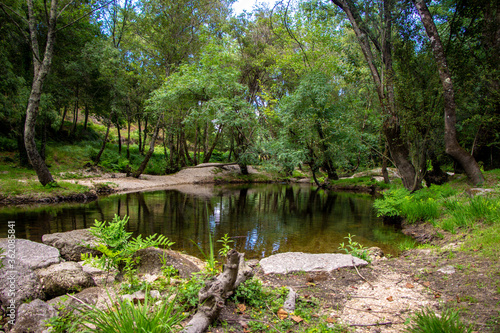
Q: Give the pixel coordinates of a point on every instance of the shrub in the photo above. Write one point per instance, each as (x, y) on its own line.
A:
(428, 322)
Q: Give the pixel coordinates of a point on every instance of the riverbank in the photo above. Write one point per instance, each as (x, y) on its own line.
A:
(88, 185)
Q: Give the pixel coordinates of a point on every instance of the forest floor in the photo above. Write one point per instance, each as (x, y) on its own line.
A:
(383, 296)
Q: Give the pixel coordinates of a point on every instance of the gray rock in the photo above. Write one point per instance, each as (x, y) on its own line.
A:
(375, 253)
(18, 284)
(63, 278)
(101, 298)
(152, 257)
(31, 254)
(71, 244)
(289, 305)
(32, 316)
(447, 270)
(283, 263)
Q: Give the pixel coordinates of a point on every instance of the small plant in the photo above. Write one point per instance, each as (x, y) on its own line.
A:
(117, 249)
(225, 240)
(126, 317)
(354, 248)
(428, 322)
(167, 270)
(251, 292)
(407, 244)
(210, 258)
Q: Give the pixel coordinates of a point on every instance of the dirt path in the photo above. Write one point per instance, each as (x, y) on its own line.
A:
(199, 175)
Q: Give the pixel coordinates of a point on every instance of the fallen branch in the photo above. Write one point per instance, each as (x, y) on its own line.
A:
(376, 324)
(208, 165)
(215, 292)
(361, 275)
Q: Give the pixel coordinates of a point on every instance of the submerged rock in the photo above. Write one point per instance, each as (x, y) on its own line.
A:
(289, 262)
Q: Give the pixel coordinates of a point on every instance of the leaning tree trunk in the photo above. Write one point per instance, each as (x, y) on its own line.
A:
(98, 157)
(151, 150)
(453, 148)
(398, 148)
(215, 292)
(41, 70)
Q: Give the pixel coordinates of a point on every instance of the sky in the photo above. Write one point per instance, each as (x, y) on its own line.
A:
(241, 5)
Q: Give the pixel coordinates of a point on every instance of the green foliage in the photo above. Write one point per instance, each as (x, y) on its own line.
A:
(210, 258)
(428, 322)
(124, 316)
(421, 205)
(354, 248)
(225, 241)
(117, 249)
(188, 292)
(466, 213)
(251, 292)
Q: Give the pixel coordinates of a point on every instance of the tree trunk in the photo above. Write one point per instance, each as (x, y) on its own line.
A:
(41, 70)
(215, 292)
(207, 156)
(397, 146)
(140, 134)
(151, 150)
(186, 149)
(63, 117)
(44, 141)
(453, 148)
(385, 174)
(85, 123)
(129, 121)
(75, 114)
(98, 157)
(119, 138)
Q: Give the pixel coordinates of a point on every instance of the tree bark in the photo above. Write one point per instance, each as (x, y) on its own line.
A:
(453, 148)
(98, 157)
(86, 121)
(119, 138)
(41, 70)
(215, 292)
(206, 157)
(151, 150)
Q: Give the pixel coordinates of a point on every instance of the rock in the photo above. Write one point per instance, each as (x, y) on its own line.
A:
(152, 257)
(22, 281)
(31, 254)
(101, 298)
(447, 270)
(479, 191)
(63, 278)
(137, 297)
(71, 244)
(283, 263)
(375, 253)
(31, 317)
(289, 305)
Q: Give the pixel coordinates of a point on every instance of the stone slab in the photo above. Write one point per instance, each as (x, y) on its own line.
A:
(283, 263)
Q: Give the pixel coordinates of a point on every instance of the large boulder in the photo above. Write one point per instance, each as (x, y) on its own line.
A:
(152, 260)
(19, 284)
(31, 254)
(283, 263)
(72, 244)
(65, 277)
(32, 317)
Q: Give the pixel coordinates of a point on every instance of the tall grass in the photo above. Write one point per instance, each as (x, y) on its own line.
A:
(428, 322)
(125, 317)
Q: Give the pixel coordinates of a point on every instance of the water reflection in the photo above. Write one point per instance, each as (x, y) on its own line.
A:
(262, 220)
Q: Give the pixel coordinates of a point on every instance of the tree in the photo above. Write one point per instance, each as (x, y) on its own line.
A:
(383, 79)
(453, 148)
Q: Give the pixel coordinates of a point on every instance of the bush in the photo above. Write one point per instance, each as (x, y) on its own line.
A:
(8, 144)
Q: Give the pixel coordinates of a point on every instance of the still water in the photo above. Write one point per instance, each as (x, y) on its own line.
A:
(261, 219)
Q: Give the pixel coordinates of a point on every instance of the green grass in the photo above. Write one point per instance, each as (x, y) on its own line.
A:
(125, 317)
(428, 322)
(14, 187)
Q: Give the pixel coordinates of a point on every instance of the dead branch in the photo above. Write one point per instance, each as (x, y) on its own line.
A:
(215, 292)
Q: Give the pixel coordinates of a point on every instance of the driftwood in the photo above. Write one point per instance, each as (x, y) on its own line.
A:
(213, 295)
(207, 165)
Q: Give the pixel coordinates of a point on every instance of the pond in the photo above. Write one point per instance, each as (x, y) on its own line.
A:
(261, 219)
